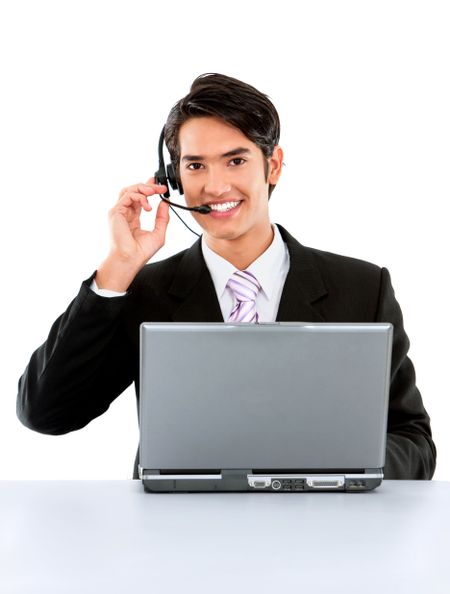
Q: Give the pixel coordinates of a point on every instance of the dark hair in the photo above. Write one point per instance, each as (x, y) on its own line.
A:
(235, 102)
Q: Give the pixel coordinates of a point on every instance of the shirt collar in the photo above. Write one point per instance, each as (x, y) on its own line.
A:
(265, 267)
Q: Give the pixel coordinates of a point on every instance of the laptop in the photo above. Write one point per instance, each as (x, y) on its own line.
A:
(272, 407)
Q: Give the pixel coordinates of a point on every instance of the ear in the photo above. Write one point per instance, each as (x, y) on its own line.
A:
(275, 165)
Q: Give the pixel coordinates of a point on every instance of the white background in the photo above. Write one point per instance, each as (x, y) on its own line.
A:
(362, 89)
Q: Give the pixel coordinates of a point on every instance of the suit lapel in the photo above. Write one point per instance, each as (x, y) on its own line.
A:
(193, 285)
(304, 285)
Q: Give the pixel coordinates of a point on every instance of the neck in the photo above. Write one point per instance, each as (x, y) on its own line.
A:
(243, 250)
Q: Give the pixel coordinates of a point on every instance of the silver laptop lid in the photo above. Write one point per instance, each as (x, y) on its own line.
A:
(281, 395)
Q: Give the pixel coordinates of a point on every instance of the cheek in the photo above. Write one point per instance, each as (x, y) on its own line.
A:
(256, 187)
(246, 182)
(190, 189)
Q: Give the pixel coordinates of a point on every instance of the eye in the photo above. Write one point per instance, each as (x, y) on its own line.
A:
(242, 161)
(195, 168)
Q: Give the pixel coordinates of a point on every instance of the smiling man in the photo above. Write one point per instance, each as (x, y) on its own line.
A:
(234, 183)
(223, 140)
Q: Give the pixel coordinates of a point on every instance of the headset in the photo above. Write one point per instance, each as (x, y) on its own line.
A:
(167, 176)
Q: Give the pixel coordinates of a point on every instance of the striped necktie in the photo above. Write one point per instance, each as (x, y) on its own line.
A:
(245, 288)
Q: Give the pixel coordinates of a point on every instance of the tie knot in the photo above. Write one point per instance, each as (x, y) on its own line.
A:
(244, 285)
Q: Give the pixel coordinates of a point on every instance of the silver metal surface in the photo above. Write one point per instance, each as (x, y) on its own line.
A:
(302, 396)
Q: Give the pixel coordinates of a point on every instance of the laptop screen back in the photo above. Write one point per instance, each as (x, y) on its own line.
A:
(282, 395)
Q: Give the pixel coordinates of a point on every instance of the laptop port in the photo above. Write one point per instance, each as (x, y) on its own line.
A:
(325, 482)
(260, 482)
(353, 484)
(259, 485)
(276, 485)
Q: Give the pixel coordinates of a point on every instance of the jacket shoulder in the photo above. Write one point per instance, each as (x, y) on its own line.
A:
(328, 263)
(353, 286)
(345, 273)
(341, 263)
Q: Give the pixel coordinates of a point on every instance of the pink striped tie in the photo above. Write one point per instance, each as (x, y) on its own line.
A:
(245, 288)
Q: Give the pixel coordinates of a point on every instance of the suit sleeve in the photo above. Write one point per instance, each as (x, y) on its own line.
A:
(410, 453)
(84, 364)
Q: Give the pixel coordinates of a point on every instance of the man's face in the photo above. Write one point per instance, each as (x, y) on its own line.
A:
(221, 167)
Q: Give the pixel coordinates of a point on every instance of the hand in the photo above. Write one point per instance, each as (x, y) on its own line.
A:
(132, 246)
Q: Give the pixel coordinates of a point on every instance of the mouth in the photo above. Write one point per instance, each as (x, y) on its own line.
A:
(223, 207)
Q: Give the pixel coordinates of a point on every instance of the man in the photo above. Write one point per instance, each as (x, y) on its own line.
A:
(223, 139)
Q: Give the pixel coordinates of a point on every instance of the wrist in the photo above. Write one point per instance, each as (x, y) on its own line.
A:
(116, 273)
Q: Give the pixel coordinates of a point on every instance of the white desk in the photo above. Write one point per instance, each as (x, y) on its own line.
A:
(111, 537)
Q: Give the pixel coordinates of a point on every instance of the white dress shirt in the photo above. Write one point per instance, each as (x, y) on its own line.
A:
(270, 268)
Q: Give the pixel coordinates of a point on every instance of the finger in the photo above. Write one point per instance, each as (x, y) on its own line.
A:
(123, 191)
(133, 199)
(162, 217)
(147, 189)
(130, 205)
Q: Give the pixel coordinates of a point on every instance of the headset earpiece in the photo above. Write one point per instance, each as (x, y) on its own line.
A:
(167, 176)
(173, 180)
(161, 178)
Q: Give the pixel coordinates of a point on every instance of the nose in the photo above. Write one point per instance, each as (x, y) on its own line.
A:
(216, 183)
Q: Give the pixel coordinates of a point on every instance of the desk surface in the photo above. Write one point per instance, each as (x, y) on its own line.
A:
(111, 536)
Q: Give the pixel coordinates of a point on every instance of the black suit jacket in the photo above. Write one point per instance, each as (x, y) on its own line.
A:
(92, 352)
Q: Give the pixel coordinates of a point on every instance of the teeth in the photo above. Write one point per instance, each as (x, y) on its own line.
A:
(224, 207)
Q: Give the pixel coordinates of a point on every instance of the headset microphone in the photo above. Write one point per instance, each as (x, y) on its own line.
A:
(204, 209)
(168, 176)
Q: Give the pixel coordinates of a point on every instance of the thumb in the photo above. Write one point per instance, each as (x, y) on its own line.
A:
(162, 217)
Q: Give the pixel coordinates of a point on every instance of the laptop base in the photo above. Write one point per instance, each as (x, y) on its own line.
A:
(263, 482)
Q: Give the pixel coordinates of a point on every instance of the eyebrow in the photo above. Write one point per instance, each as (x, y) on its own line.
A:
(237, 151)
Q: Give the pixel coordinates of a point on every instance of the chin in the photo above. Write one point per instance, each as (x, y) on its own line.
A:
(226, 234)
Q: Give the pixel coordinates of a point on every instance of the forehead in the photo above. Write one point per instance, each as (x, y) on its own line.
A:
(210, 137)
